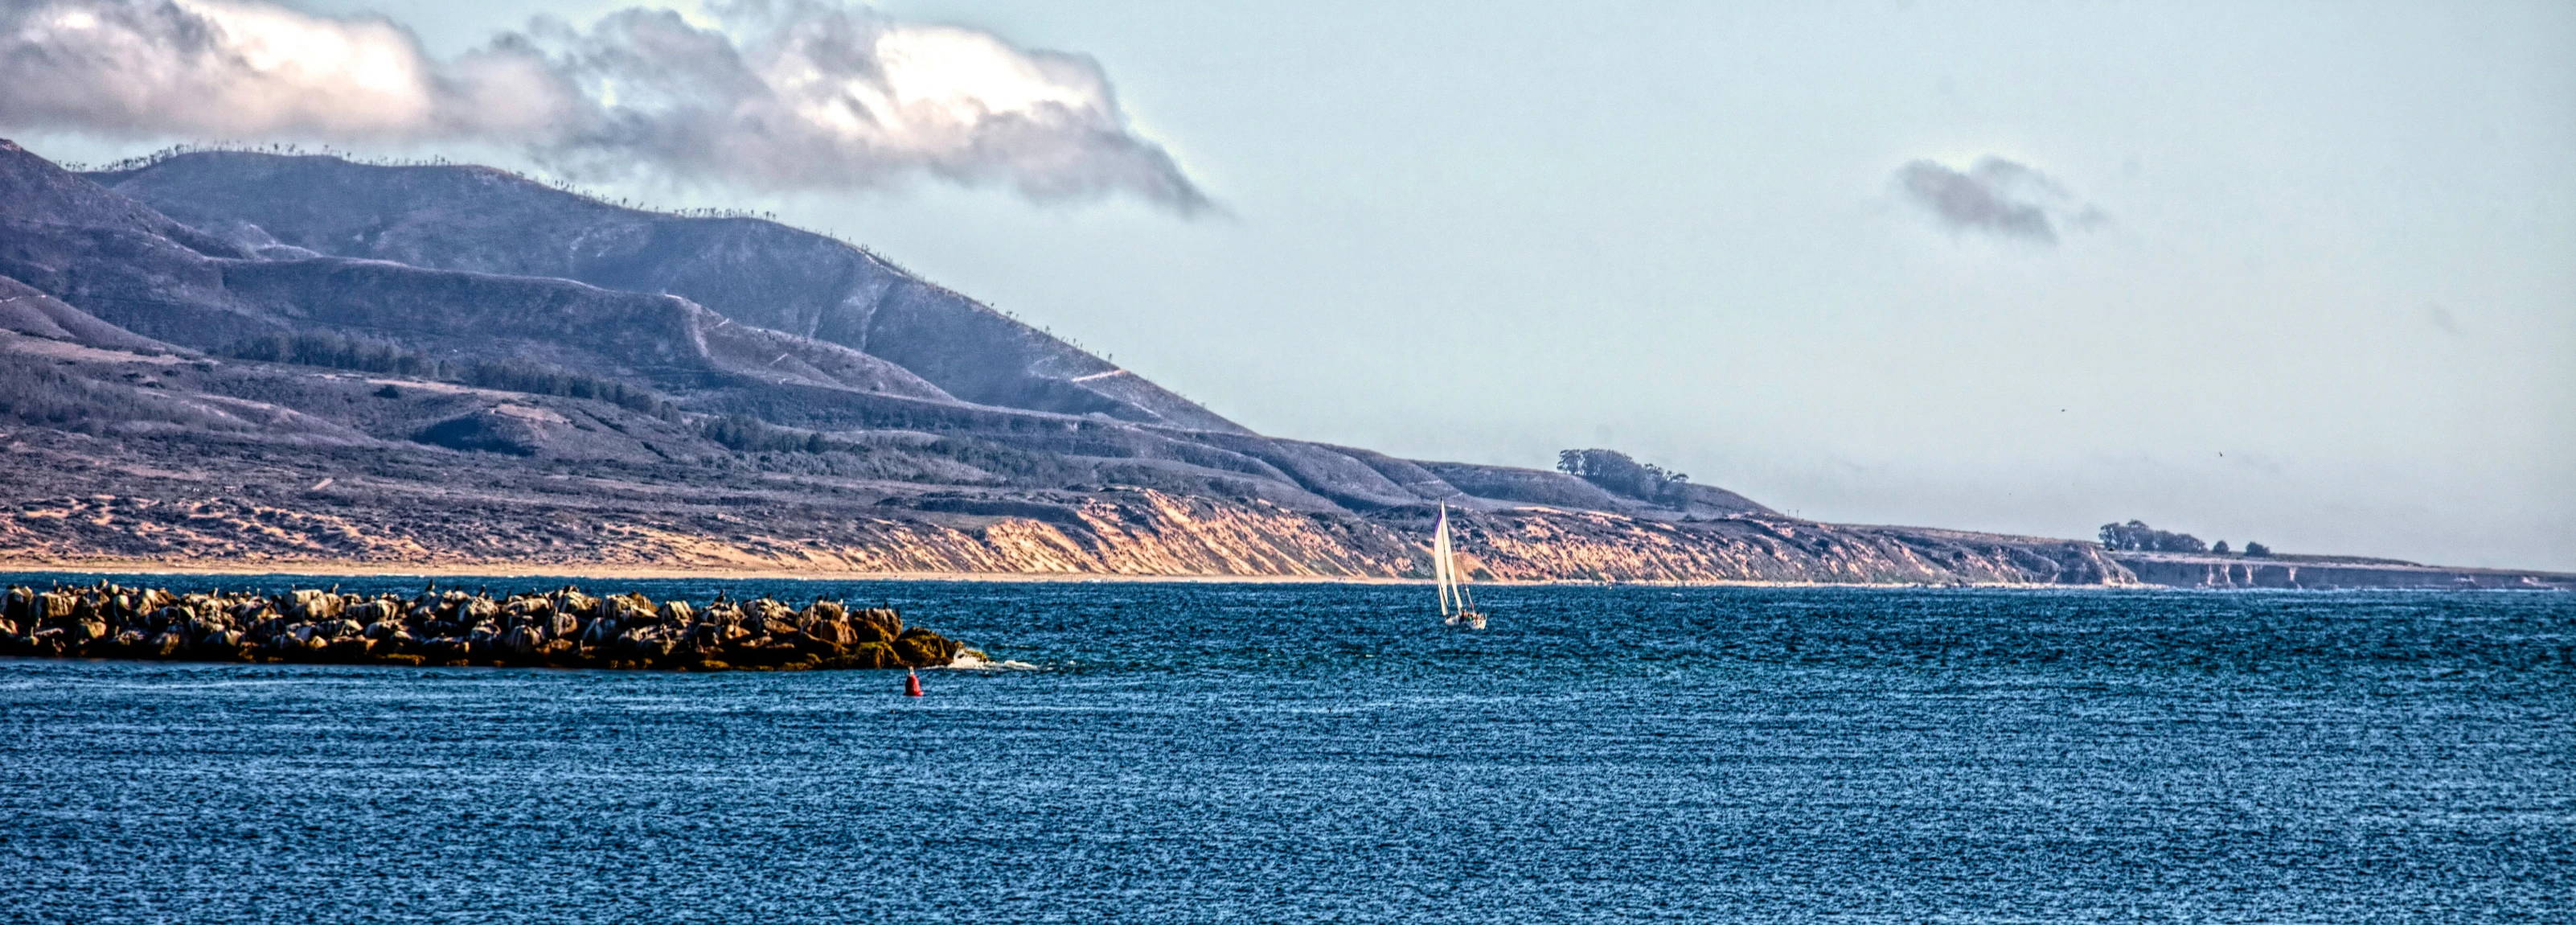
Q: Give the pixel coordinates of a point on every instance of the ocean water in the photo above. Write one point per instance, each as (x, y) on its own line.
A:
(1261, 753)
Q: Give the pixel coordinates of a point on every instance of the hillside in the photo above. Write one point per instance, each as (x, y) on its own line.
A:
(233, 360)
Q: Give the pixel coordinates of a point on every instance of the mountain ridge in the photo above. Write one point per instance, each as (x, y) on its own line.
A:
(754, 271)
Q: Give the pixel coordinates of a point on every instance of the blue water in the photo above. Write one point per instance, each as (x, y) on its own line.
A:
(1256, 753)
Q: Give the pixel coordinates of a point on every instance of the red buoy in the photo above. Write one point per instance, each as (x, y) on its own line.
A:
(911, 683)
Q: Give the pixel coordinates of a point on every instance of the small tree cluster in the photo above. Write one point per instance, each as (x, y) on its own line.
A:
(753, 435)
(1616, 473)
(334, 351)
(315, 348)
(2136, 536)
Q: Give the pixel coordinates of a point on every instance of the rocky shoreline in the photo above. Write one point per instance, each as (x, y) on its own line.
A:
(559, 629)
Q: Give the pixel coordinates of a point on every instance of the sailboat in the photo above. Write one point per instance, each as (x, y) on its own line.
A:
(1457, 607)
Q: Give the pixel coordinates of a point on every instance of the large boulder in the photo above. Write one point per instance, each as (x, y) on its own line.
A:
(887, 622)
(872, 655)
(525, 641)
(838, 631)
(920, 648)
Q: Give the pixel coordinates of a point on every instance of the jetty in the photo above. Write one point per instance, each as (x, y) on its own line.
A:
(565, 628)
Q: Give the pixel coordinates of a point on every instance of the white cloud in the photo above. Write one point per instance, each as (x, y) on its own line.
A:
(794, 94)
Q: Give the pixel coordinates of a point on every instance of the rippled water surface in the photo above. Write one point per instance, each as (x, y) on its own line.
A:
(1193, 753)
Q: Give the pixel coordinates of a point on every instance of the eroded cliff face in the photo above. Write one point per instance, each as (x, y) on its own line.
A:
(1539, 544)
(129, 512)
(113, 504)
(1127, 533)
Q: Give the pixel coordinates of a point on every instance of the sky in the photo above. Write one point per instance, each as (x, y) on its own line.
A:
(2303, 274)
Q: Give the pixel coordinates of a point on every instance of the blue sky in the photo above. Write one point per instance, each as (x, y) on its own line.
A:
(2312, 278)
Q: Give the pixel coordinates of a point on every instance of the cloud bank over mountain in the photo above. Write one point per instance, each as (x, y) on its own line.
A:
(798, 94)
(1995, 196)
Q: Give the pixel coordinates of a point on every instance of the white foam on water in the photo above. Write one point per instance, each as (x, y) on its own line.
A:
(975, 661)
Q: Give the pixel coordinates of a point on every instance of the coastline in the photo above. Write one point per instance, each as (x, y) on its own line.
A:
(2152, 573)
(619, 573)
(609, 572)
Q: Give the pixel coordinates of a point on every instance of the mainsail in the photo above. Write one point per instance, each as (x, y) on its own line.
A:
(1457, 608)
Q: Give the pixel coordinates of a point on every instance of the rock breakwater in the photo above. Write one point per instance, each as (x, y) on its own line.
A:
(565, 629)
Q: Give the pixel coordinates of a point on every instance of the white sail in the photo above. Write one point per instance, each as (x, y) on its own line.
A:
(1441, 570)
(1457, 606)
